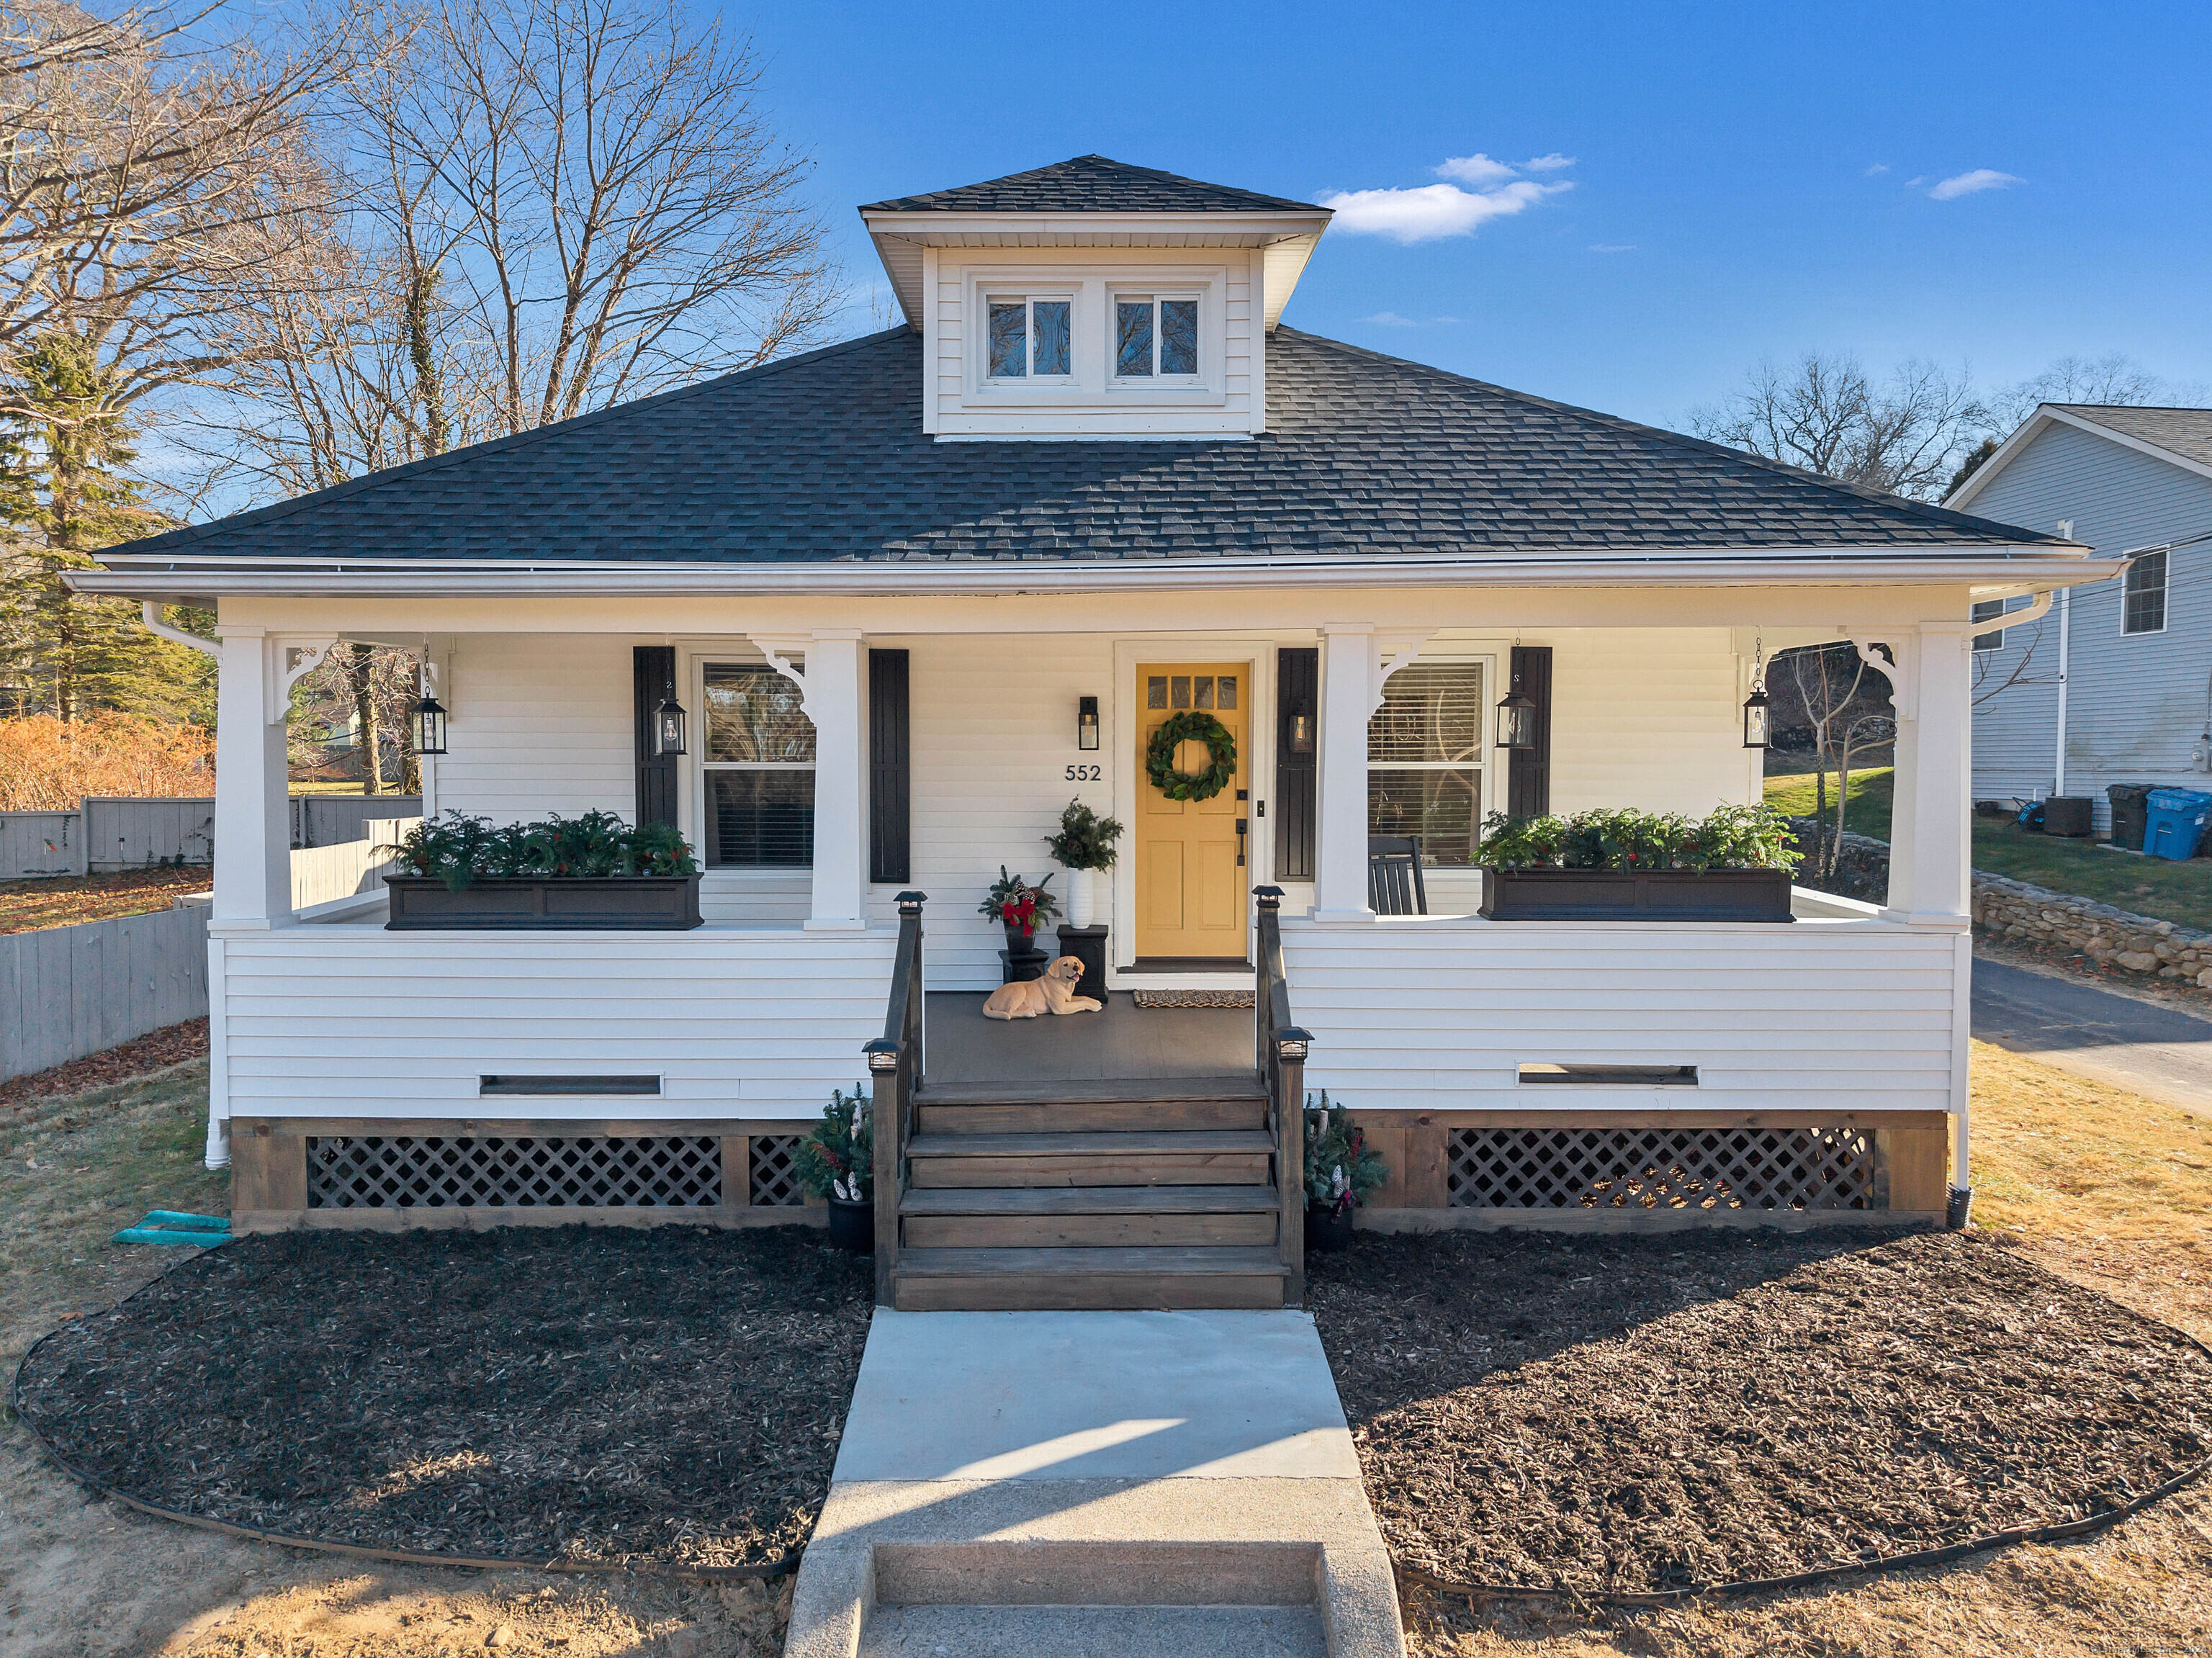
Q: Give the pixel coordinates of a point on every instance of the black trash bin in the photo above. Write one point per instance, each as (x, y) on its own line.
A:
(2067, 814)
(2130, 814)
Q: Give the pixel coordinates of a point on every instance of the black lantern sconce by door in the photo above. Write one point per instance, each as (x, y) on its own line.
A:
(1301, 733)
(1086, 723)
(668, 727)
(1756, 721)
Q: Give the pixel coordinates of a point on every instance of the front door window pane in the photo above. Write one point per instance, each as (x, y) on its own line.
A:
(1009, 340)
(1049, 317)
(1178, 337)
(1133, 337)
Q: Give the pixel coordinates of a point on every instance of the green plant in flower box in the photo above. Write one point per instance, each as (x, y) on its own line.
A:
(1622, 838)
(837, 1159)
(457, 849)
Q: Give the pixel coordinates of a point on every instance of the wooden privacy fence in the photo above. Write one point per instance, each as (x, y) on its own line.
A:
(112, 832)
(66, 992)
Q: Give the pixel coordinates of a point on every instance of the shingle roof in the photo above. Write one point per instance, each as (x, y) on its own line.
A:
(822, 458)
(2185, 432)
(1093, 183)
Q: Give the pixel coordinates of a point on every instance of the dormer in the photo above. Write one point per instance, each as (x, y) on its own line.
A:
(1091, 299)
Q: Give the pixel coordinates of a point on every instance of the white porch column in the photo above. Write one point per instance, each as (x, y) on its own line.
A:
(253, 828)
(841, 758)
(1347, 697)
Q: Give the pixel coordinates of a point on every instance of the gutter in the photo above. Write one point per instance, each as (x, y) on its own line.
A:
(2003, 572)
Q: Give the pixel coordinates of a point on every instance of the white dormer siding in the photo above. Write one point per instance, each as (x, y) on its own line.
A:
(1220, 389)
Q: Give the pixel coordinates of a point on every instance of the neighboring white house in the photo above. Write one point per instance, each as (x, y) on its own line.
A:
(1093, 472)
(2133, 652)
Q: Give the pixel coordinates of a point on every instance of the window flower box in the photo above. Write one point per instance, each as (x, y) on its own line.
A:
(516, 903)
(1610, 895)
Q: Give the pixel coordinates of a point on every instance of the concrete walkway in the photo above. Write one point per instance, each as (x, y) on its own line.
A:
(1108, 1482)
(2157, 1051)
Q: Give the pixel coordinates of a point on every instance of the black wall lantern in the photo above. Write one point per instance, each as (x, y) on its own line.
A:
(1516, 718)
(668, 727)
(429, 724)
(1756, 723)
(1086, 723)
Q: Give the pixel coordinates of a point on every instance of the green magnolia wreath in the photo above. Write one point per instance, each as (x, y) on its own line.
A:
(1221, 749)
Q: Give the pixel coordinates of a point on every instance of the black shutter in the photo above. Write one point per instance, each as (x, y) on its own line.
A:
(891, 775)
(1528, 771)
(654, 678)
(1298, 679)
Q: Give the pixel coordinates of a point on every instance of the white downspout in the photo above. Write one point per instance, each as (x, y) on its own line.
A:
(2065, 631)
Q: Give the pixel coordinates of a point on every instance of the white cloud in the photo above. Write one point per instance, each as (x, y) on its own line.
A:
(1966, 183)
(1392, 320)
(1426, 212)
(1613, 247)
(1475, 169)
(1877, 169)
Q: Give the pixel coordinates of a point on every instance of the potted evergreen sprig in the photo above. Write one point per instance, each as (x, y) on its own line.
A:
(1021, 908)
(1341, 1169)
(1085, 843)
(837, 1164)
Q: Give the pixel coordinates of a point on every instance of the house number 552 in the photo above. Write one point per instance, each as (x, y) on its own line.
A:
(1082, 774)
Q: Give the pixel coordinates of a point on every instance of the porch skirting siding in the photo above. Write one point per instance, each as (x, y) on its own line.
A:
(393, 1174)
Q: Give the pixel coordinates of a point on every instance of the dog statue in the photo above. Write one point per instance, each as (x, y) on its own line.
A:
(1053, 993)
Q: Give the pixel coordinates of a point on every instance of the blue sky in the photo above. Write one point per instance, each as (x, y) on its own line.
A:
(1745, 180)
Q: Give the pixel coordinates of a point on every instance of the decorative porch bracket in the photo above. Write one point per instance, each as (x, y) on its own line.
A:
(780, 650)
(290, 660)
(1394, 650)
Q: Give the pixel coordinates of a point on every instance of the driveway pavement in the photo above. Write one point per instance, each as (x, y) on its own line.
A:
(2151, 1050)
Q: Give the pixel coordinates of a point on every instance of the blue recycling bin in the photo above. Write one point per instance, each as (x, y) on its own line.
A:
(2176, 822)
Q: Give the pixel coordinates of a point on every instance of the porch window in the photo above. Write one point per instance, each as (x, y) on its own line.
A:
(758, 766)
(2143, 609)
(1425, 758)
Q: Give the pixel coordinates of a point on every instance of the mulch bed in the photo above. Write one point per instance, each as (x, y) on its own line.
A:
(155, 1051)
(1632, 1415)
(583, 1393)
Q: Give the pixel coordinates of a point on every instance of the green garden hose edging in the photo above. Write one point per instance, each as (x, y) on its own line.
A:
(2055, 1531)
(774, 1569)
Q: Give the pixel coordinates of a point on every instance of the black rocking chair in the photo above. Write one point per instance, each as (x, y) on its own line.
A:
(1393, 875)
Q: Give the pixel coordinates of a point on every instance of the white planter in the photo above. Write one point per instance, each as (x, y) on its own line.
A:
(1079, 897)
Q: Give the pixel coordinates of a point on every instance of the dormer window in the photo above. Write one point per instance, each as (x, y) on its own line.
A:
(1154, 336)
(1029, 338)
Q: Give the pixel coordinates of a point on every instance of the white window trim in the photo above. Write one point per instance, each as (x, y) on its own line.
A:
(2165, 600)
(1094, 386)
(1028, 297)
(701, 766)
(1124, 384)
(1488, 802)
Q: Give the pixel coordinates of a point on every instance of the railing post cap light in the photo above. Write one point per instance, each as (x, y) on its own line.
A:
(882, 1054)
(910, 904)
(1293, 1043)
(1268, 897)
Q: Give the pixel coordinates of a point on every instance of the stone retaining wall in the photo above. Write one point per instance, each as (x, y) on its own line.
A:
(2019, 910)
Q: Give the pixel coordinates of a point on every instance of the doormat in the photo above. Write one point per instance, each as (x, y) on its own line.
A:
(1194, 999)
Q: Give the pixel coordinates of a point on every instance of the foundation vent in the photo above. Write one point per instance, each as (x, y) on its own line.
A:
(594, 1171)
(1662, 1168)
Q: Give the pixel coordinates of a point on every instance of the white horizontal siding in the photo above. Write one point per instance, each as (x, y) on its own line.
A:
(2135, 703)
(1645, 717)
(539, 723)
(342, 1021)
(1441, 1015)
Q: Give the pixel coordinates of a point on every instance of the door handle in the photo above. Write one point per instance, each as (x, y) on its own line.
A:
(1244, 827)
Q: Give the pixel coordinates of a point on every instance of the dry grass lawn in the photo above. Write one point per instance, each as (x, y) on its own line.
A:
(66, 899)
(2095, 1183)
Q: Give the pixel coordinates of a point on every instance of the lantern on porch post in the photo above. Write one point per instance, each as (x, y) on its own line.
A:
(1086, 723)
(1755, 716)
(668, 727)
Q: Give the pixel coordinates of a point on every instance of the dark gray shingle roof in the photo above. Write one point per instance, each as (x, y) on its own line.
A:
(822, 458)
(1092, 184)
(2185, 432)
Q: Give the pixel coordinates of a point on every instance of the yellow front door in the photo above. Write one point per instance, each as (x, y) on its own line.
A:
(1190, 857)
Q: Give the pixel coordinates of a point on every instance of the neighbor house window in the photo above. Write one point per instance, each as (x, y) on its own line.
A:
(1154, 336)
(758, 764)
(1028, 339)
(1425, 758)
(1988, 611)
(2144, 609)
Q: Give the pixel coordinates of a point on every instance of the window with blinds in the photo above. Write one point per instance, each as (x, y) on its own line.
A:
(758, 766)
(1425, 758)
(2144, 609)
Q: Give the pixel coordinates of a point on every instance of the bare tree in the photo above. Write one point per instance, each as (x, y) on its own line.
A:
(1825, 414)
(2112, 378)
(1841, 705)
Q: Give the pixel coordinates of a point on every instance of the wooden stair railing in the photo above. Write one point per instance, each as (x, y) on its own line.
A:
(1283, 1049)
(895, 1069)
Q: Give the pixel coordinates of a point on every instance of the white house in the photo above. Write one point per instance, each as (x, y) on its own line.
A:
(2115, 684)
(1093, 472)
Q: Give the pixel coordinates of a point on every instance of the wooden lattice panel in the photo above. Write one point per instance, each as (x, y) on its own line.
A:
(774, 1171)
(595, 1171)
(1662, 1168)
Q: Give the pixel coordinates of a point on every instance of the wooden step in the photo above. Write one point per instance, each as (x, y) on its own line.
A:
(1109, 1217)
(1089, 1117)
(1161, 1158)
(933, 1280)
